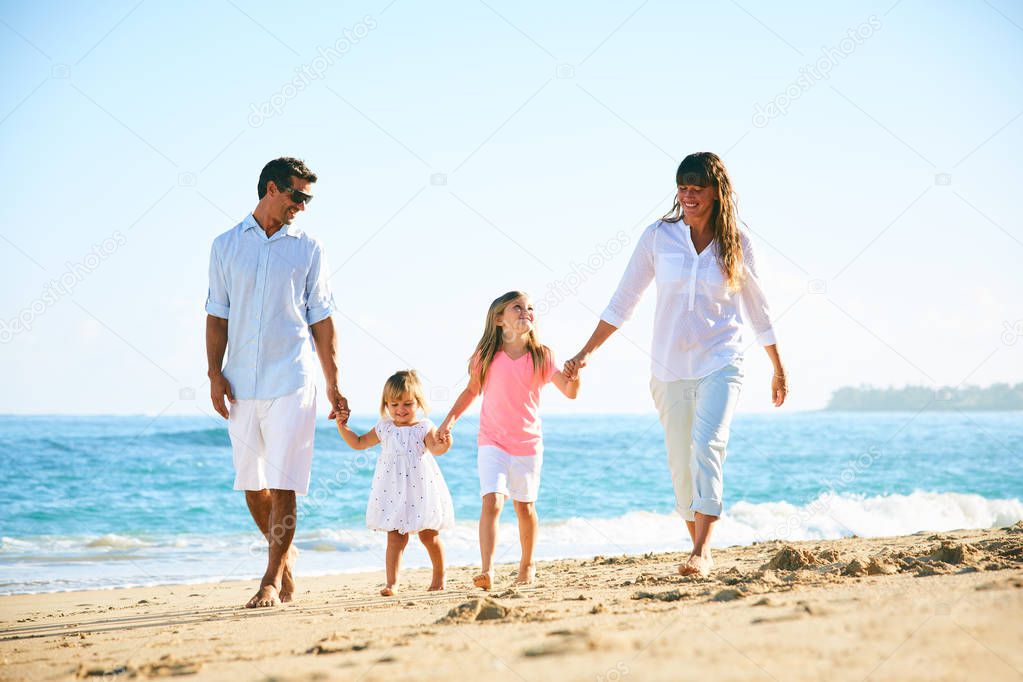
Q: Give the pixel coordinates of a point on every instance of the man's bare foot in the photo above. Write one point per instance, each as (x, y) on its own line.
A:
(436, 585)
(389, 590)
(265, 596)
(288, 579)
(527, 576)
(482, 580)
(696, 565)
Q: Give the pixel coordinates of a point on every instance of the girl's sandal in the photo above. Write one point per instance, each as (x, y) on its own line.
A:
(482, 581)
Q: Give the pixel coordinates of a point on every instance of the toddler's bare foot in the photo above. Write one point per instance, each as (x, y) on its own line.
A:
(288, 579)
(389, 590)
(526, 576)
(265, 596)
(482, 580)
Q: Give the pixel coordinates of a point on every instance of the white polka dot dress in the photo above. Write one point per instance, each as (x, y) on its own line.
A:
(409, 493)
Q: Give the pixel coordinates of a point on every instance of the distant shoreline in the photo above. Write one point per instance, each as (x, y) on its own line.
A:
(994, 398)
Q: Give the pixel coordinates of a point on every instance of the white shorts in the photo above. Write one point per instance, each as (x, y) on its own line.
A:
(272, 441)
(514, 476)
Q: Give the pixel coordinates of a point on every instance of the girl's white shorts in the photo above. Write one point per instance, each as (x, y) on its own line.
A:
(514, 476)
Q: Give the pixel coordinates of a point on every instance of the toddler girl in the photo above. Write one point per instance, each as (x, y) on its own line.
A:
(409, 494)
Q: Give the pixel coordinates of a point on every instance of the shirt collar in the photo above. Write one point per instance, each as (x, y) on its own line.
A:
(287, 230)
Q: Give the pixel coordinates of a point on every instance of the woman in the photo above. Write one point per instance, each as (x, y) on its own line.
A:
(704, 267)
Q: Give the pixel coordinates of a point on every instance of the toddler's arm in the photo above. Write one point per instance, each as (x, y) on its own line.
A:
(356, 442)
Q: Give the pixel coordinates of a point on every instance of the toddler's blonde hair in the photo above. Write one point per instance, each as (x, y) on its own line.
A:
(399, 384)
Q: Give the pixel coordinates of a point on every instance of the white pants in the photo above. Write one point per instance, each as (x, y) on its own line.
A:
(272, 441)
(696, 415)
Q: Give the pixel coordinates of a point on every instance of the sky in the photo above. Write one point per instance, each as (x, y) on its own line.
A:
(470, 148)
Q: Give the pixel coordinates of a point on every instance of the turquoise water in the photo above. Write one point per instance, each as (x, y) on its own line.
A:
(106, 501)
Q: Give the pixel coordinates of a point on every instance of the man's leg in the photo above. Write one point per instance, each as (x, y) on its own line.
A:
(287, 428)
(280, 533)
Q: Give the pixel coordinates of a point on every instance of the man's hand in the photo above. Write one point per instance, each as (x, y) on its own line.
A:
(338, 402)
(220, 387)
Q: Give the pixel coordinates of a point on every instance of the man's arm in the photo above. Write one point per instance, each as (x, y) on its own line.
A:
(216, 346)
(325, 341)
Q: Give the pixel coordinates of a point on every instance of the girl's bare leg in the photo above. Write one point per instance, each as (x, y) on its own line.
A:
(396, 543)
(528, 523)
(435, 548)
(490, 514)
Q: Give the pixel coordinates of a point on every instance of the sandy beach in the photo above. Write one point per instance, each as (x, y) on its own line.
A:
(925, 606)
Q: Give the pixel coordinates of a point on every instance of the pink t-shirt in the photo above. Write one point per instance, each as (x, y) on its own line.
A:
(509, 416)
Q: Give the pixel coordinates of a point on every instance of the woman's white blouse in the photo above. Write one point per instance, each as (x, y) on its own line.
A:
(698, 321)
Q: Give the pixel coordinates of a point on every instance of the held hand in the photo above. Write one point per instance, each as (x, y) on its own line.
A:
(779, 389)
(220, 387)
(342, 416)
(443, 434)
(572, 366)
(337, 402)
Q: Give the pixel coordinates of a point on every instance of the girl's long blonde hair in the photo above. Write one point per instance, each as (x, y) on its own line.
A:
(493, 340)
(399, 384)
(707, 169)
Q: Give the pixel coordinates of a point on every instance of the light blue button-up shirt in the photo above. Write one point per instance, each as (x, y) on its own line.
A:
(270, 291)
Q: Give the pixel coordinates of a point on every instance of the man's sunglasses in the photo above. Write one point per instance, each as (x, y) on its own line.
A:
(298, 196)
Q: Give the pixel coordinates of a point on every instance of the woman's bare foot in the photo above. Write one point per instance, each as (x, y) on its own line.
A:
(265, 596)
(482, 580)
(697, 564)
(389, 590)
(526, 576)
(437, 584)
(288, 579)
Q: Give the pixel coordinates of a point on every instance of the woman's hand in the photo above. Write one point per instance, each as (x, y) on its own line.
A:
(779, 389)
(572, 366)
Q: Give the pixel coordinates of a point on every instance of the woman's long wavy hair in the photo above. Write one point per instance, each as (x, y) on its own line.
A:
(493, 340)
(707, 169)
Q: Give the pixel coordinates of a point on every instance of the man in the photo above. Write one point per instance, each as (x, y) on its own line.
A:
(268, 295)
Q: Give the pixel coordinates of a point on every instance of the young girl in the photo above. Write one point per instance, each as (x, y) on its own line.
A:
(409, 494)
(509, 367)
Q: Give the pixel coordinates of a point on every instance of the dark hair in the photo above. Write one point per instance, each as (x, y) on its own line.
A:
(280, 171)
(706, 169)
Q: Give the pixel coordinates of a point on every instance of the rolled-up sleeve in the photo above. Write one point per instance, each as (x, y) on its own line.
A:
(218, 298)
(319, 301)
(754, 301)
(638, 275)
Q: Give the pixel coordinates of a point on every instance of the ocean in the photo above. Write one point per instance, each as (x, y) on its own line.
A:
(101, 502)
